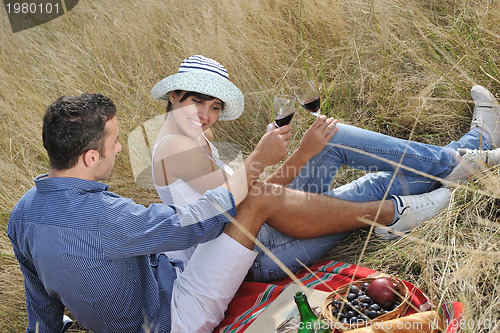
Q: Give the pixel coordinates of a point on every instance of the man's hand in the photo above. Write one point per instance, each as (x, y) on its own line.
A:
(317, 136)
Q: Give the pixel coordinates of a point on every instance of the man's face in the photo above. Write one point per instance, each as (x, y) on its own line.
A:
(104, 167)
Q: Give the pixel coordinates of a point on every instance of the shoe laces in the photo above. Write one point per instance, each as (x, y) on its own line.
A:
(418, 202)
(488, 158)
(477, 116)
(471, 154)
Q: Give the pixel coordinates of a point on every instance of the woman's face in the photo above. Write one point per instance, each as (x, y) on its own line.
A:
(193, 115)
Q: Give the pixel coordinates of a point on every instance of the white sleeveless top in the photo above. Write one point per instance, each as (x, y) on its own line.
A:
(180, 193)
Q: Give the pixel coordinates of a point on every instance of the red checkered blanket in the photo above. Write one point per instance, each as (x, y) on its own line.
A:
(254, 297)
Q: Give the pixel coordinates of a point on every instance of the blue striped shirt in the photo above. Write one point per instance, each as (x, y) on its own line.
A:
(90, 250)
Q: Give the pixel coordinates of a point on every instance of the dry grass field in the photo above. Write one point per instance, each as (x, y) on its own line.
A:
(404, 68)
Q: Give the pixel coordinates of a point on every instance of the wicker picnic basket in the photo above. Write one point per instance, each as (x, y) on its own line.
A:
(402, 301)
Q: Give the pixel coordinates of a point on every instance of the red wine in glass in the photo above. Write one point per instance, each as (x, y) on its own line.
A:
(312, 104)
(283, 109)
(308, 96)
(284, 119)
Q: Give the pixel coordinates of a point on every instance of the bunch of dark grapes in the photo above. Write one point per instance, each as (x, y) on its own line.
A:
(358, 307)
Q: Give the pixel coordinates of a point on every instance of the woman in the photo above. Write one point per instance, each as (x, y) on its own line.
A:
(186, 164)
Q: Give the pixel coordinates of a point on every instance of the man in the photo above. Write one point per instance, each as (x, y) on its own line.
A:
(101, 256)
(87, 249)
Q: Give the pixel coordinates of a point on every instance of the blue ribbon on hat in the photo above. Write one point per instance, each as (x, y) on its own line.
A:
(203, 64)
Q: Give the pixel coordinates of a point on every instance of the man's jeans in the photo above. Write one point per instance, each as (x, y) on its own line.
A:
(383, 157)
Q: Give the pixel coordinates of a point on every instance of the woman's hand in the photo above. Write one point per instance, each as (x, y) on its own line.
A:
(317, 136)
(273, 146)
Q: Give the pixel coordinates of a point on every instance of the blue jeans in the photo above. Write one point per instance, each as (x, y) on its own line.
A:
(360, 149)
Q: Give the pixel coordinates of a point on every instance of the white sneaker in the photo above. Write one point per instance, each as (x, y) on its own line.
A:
(486, 113)
(413, 210)
(473, 162)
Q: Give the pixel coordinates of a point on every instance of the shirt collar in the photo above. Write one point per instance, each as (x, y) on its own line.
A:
(45, 184)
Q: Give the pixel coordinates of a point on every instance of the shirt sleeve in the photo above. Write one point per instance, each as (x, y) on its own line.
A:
(130, 229)
(45, 313)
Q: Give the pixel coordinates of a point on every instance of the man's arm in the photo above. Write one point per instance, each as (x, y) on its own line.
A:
(130, 229)
(45, 313)
(313, 142)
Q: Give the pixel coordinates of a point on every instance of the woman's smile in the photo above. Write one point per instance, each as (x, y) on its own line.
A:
(195, 123)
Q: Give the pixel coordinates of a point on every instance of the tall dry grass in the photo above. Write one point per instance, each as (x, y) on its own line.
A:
(403, 68)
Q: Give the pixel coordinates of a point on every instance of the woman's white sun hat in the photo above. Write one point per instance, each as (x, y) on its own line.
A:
(206, 76)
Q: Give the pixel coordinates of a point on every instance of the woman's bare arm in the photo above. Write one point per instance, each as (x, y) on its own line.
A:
(180, 157)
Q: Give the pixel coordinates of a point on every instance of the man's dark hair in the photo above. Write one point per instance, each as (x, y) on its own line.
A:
(73, 125)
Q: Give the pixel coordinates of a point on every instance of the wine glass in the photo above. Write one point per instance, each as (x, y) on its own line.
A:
(308, 96)
(283, 109)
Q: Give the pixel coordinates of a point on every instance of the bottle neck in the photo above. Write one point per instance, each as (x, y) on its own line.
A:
(305, 311)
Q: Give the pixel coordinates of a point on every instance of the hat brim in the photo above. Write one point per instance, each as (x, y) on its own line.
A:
(204, 83)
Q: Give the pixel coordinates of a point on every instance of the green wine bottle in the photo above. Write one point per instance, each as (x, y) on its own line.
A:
(309, 322)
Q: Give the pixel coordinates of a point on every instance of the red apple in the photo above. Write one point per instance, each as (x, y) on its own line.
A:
(381, 291)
